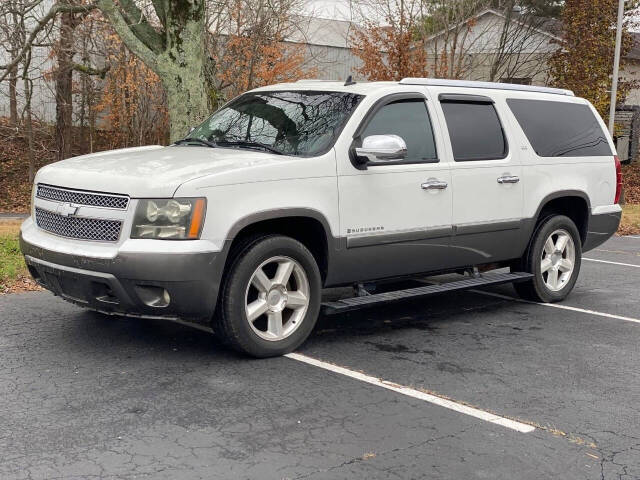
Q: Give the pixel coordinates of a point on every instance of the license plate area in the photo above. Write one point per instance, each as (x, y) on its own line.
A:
(65, 284)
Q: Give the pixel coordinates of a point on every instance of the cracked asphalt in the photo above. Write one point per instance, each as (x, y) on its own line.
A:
(84, 396)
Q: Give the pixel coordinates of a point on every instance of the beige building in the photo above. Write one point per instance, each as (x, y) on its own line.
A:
(496, 48)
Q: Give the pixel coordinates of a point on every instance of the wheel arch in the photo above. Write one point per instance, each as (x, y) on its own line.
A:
(575, 204)
(310, 227)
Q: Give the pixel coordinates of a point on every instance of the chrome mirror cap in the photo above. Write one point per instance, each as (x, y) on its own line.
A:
(382, 147)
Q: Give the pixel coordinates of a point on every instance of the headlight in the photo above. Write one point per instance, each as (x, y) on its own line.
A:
(169, 218)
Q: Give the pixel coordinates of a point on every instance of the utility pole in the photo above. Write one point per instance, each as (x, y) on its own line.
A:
(616, 66)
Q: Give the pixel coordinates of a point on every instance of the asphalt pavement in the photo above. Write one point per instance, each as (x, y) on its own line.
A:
(86, 396)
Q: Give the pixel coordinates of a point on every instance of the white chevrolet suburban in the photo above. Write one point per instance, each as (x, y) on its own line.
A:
(295, 187)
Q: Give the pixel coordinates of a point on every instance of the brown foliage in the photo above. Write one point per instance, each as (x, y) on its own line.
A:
(390, 52)
(631, 183)
(15, 188)
(584, 61)
(133, 102)
(248, 65)
(254, 53)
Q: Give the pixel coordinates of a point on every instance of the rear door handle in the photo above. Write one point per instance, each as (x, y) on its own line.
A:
(508, 179)
(434, 185)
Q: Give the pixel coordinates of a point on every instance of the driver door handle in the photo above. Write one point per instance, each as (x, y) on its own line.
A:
(434, 185)
(508, 179)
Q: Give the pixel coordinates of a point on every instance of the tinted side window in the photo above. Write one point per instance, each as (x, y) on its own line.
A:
(475, 131)
(560, 129)
(408, 119)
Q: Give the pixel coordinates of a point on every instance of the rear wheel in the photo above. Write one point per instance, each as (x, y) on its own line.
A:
(271, 298)
(554, 257)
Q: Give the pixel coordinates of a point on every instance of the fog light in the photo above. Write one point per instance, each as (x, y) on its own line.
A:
(153, 296)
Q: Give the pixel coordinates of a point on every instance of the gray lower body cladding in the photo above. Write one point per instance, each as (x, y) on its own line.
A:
(429, 251)
(129, 283)
(601, 228)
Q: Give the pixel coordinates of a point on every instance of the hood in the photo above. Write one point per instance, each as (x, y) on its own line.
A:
(153, 171)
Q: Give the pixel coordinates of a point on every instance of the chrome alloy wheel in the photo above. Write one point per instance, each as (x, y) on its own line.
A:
(277, 298)
(558, 259)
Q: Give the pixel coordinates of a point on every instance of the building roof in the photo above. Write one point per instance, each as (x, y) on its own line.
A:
(545, 26)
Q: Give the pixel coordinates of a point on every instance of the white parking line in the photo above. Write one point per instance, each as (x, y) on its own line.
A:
(420, 395)
(612, 263)
(560, 306)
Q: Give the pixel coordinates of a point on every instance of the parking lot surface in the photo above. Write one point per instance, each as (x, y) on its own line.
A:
(89, 396)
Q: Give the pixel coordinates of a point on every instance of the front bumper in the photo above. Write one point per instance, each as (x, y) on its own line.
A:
(132, 283)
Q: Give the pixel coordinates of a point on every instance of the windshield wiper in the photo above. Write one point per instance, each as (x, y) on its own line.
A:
(247, 143)
(195, 140)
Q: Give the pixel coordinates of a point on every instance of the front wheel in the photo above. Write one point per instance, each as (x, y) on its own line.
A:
(554, 257)
(271, 297)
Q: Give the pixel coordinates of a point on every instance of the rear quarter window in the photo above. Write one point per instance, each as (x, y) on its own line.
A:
(560, 129)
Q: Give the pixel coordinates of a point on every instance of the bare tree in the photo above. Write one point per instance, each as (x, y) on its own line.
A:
(10, 34)
(64, 51)
(17, 21)
(523, 45)
(452, 34)
(38, 27)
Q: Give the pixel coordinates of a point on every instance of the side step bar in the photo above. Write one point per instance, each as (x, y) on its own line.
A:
(484, 280)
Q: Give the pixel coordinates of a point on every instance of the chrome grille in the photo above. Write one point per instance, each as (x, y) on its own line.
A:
(106, 200)
(78, 227)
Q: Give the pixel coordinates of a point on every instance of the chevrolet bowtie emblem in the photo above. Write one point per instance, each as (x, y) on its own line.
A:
(66, 209)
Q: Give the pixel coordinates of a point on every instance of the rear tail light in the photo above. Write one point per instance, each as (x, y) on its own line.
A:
(618, 179)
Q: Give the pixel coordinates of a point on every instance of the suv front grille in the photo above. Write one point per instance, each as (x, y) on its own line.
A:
(92, 199)
(78, 227)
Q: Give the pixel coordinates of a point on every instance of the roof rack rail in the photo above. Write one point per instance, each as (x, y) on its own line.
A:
(473, 84)
(314, 80)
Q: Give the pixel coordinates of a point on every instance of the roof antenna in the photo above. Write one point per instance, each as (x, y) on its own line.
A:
(349, 81)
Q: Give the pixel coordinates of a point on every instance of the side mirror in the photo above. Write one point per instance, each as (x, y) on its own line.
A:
(191, 130)
(377, 148)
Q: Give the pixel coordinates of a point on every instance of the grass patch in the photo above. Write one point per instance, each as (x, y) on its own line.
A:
(630, 224)
(13, 271)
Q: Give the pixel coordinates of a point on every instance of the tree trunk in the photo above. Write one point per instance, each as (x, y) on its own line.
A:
(177, 55)
(182, 69)
(186, 99)
(28, 93)
(13, 97)
(64, 85)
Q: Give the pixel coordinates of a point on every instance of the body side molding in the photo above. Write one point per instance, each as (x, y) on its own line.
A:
(398, 237)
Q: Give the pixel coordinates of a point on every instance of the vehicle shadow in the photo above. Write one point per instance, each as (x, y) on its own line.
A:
(96, 330)
(425, 314)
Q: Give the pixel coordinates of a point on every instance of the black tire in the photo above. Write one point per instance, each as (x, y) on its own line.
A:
(536, 289)
(231, 323)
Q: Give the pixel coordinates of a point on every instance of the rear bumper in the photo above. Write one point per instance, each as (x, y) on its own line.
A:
(132, 284)
(603, 223)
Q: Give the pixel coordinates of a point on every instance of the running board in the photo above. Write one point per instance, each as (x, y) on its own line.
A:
(484, 280)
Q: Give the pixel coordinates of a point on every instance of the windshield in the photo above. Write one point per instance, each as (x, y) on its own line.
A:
(302, 123)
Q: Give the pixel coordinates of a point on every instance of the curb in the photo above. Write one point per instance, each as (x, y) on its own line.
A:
(13, 216)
